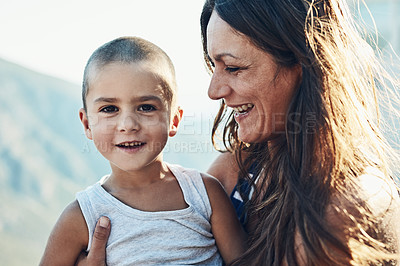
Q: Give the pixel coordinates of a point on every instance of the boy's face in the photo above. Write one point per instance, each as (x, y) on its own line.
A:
(127, 116)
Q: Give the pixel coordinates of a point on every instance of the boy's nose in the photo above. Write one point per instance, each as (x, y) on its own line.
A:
(128, 123)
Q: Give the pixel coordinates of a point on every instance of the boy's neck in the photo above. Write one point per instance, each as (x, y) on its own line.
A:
(152, 189)
(148, 175)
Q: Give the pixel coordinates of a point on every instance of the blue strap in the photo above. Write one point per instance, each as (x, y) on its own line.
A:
(237, 200)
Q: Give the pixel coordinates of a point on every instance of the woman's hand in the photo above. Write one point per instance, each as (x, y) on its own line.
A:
(97, 253)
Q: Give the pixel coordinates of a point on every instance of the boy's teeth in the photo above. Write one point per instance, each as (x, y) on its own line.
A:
(130, 144)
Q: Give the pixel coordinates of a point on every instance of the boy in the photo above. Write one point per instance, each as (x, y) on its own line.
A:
(161, 213)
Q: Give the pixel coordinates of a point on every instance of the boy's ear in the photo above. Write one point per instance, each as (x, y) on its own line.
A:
(85, 123)
(176, 119)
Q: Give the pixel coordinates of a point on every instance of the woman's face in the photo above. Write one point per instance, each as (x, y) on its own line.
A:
(247, 78)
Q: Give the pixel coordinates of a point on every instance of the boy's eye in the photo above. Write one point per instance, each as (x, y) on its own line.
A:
(146, 108)
(109, 109)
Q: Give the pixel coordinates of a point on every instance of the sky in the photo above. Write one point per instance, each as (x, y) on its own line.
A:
(57, 37)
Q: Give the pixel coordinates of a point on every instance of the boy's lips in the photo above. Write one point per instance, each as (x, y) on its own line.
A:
(130, 144)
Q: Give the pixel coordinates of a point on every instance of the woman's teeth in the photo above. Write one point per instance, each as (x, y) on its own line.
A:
(243, 108)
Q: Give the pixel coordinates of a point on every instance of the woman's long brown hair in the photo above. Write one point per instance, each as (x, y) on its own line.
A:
(332, 135)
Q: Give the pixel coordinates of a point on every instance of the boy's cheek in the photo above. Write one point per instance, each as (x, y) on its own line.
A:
(103, 147)
(155, 121)
(103, 125)
(93, 121)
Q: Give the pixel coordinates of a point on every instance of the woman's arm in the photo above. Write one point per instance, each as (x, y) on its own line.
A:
(97, 253)
(228, 233)
(381, 197)
(68, 238)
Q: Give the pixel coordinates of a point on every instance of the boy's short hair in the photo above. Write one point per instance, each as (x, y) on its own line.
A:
(130, 50)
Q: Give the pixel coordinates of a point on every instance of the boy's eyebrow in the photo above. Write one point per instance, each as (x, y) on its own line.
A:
(140, 99)
(150, 98)
(105, 99)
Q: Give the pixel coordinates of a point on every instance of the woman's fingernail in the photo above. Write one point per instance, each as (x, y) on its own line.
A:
(104, 222)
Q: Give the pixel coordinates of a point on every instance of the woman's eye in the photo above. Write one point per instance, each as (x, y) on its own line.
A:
(147, 108)
(109, 109)
(232, 69)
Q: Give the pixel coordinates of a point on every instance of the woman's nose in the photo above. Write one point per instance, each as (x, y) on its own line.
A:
(218, 87)
(127, 123)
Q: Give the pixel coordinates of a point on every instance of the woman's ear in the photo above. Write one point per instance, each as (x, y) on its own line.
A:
(176, 119)
(85, 122)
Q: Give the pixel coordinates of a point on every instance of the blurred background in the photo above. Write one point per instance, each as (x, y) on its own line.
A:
(44, 45)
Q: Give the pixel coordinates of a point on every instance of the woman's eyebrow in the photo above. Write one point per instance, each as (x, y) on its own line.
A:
(219, 57)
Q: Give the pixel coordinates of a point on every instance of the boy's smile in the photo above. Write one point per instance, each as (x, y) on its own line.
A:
(131, 146)
(128, 117)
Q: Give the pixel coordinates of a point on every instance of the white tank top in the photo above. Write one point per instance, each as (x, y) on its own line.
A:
(155, 238)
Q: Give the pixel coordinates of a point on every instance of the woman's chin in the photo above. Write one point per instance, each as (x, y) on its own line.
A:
(249, 137)
(253, 137)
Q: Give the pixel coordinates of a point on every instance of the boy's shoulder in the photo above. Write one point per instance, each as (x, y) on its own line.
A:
(68, 238)
(208, 180)
(72, 220)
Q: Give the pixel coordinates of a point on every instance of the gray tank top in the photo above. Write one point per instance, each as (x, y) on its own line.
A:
(155, 238)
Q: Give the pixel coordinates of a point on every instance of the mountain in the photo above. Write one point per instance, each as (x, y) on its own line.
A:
(42, 159)
(45, 157)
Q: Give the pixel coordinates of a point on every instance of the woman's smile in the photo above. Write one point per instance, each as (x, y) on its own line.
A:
(242, 111)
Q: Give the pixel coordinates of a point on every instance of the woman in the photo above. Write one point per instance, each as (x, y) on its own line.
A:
(301, 85)
(300, 121)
